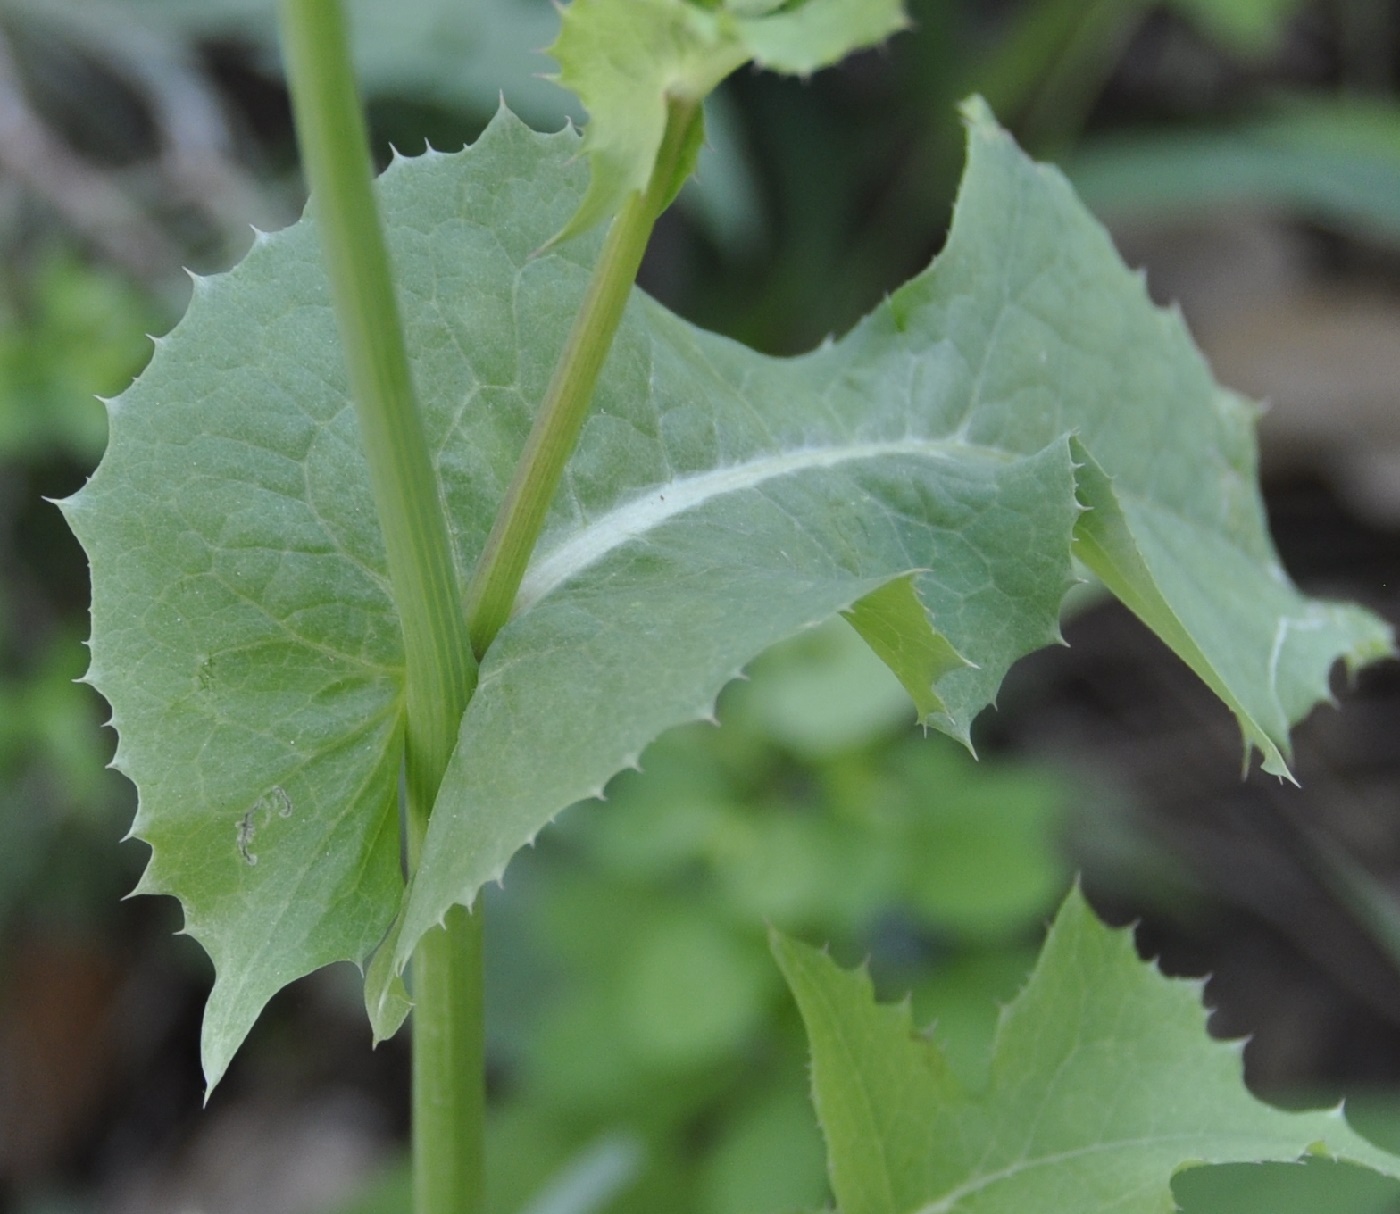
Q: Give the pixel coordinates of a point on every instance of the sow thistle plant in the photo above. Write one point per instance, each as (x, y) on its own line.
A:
(418, 530)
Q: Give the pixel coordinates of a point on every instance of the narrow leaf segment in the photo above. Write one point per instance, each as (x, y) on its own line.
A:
(896, 626)
(1104, 1084)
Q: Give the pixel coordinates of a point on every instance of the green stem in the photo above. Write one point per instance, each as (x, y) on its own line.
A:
(518, 523)
(440, 670)
(449, 1068)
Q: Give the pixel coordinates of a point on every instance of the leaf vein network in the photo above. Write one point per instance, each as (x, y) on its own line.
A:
(283, 626)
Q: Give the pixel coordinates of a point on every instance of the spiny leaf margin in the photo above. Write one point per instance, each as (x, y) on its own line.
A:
(1104, 1085)
(1026, 333)
(933, 443)
(245, 638)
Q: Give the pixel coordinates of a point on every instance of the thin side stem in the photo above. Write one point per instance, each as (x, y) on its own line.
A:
(555, 432)
(440, 670)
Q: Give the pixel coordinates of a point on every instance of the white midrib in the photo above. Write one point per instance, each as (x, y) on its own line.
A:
(633, 519)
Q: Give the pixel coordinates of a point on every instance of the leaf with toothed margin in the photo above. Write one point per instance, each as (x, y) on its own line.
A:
(896, 626)
(718, 501)
(946, 434)
(1138, 546)
(626, 58)
(243, 634)
(1104, 1085)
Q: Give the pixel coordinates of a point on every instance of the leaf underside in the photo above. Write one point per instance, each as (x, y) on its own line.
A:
(718, 501)
(1104, 1084)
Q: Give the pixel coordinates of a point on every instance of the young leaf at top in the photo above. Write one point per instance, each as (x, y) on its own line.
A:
(1104, 1084)
(718, 501)
(627, 59)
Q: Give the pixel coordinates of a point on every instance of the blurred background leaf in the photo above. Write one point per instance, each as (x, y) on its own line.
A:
(1335, 161)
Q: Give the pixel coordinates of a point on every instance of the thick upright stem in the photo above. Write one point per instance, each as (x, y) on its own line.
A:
(555, 432)
(449, 1067)
(440, 670)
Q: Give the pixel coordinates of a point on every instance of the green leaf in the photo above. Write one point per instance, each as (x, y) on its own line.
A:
(243, 634)
(718, 502)
(1316, 1185)
(1152, 555)
(627, 58)
(1104, 1085)
(895, 625)
(929, 438)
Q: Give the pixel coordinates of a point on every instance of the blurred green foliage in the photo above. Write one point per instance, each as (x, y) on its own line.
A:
(1335, 161)
(68, 332)
(643, 1035)
(1245, 26)
(1278, 1188)
(815, 808)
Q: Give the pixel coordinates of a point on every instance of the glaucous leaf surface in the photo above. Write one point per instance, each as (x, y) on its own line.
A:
(719, 501)
(1103, 1085)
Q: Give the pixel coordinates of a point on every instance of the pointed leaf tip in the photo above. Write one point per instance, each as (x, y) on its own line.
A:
(1104, 1081)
